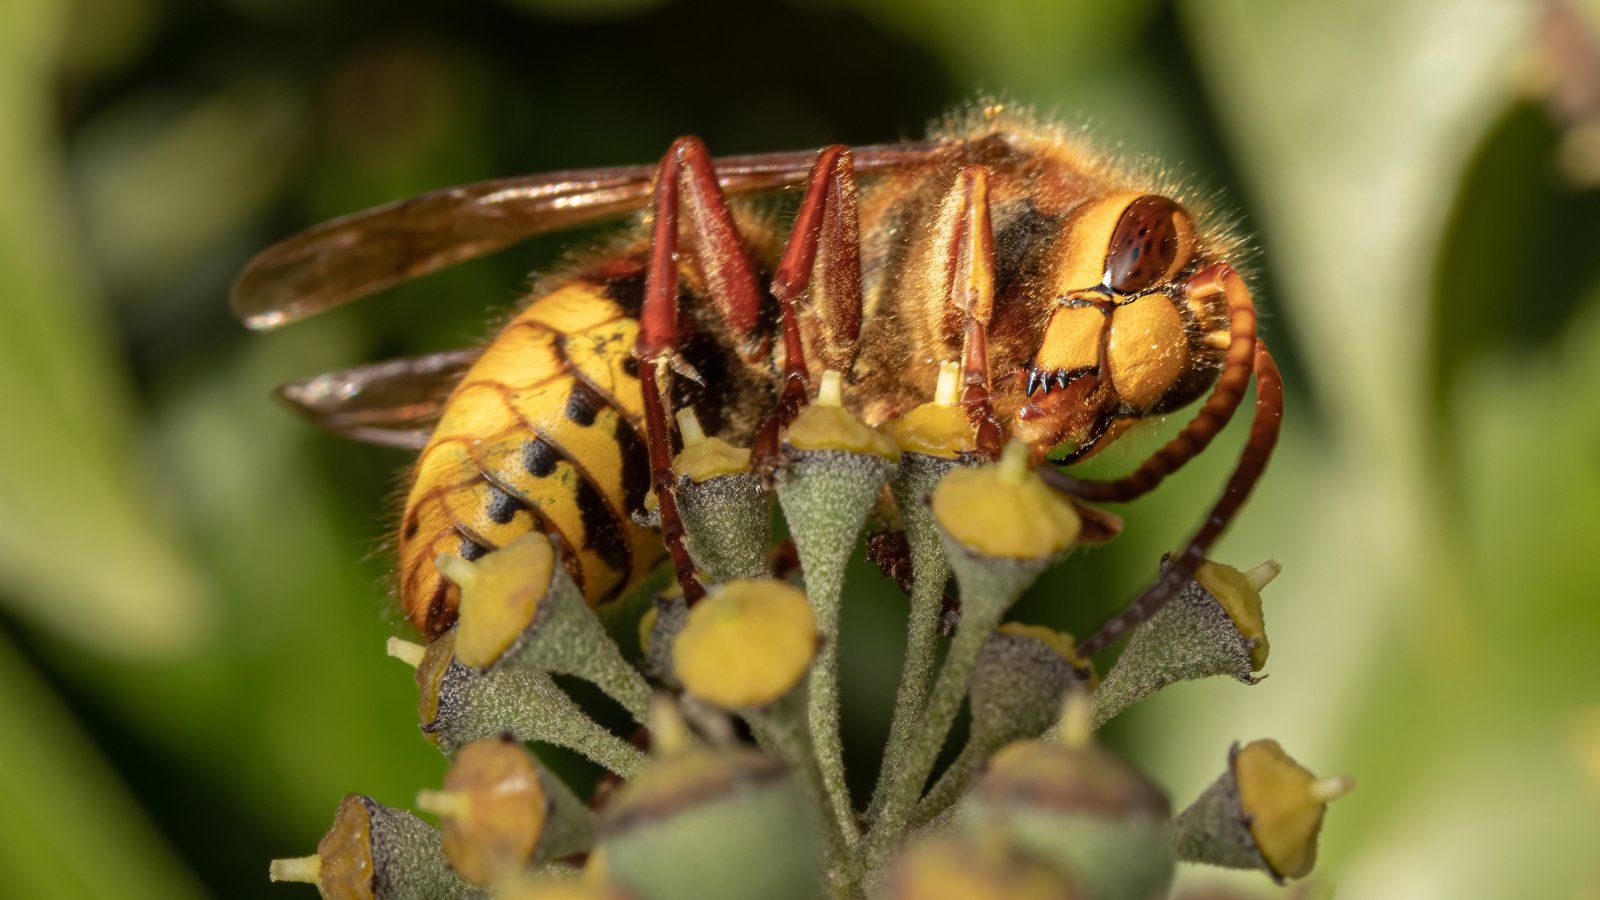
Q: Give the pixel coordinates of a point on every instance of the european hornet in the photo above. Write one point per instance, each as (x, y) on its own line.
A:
(1079, 297)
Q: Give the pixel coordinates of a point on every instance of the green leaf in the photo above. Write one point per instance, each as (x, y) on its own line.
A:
(86, 549)
(71, 829)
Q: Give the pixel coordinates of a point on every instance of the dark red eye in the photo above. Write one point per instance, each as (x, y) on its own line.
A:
(1144, 245)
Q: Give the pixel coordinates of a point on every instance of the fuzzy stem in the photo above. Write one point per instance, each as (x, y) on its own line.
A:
(822, 708)
(917, 477)
(825, 497)
(989, 585)
(622, 682)
(531, 707)
(572, 728)
(951, 689)
(781, 729)
(955, 780)
(567, 638)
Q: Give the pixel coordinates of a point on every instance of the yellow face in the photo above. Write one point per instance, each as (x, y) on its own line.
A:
(1121, 339)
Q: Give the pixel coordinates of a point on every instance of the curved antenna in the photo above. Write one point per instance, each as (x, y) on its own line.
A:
(1252, 462)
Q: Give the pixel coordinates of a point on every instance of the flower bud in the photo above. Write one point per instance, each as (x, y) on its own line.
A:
(1264, 812)
(940, 428)
(747, 644)
(726, 508)
(1079, 807)
(520, 610)
(833, 472)
(1021, 676)
(1213, 627)
(1005, 511)
(376, 852)
(501, 811)
(708, 824)
(459, 705)
(827, 426)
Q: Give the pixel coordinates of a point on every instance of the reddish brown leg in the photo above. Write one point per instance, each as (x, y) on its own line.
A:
(972, 292)
(822, 262)
(687, 183)
(1212, 417)
(1252, 462)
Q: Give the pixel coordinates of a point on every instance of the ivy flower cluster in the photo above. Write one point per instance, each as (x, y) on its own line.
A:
(733, 785)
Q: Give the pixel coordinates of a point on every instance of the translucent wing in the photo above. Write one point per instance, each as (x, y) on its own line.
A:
(360, 254)
(394, 403)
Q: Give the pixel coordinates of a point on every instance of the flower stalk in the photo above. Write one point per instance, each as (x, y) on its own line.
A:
(934, 438)
(833, 469)
(459, 705)
(1001, 528)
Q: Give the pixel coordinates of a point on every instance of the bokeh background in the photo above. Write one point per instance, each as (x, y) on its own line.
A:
(192, 607)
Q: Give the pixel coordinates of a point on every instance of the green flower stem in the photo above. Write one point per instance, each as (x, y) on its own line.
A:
(956, 779)
(728, 522)
(567, 638)
(988, 588)
(825, 496)
(531, 707)
(901, 793)
(378, 851)
(781, 729)
(915, 480)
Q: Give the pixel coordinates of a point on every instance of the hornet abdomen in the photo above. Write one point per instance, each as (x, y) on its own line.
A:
(543, 433)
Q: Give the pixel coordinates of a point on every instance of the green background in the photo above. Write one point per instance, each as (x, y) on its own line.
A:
(192, 598)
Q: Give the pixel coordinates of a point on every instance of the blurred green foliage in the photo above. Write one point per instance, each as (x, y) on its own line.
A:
(192, 598)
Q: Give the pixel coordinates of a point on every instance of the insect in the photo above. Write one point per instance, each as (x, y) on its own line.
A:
(1078, 297)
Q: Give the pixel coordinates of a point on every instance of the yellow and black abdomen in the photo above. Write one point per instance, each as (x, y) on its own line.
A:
(544, 433)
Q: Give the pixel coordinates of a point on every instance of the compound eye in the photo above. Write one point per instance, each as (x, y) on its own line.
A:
(1145, 244)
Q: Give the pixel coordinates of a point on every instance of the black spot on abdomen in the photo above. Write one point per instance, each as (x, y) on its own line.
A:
(539, 458)
(471, 549)
(502, 507)
(583, 404)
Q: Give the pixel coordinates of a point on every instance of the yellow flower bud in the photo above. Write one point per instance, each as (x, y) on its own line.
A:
(747, 644)
(932, 429)
(1283, 804)
(704, 458)
(940, 428)
(836, 428)
(826, 425)
(710, 458)
(492, 810)
(1005, 510)
(500, 595)
(1239, 593)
